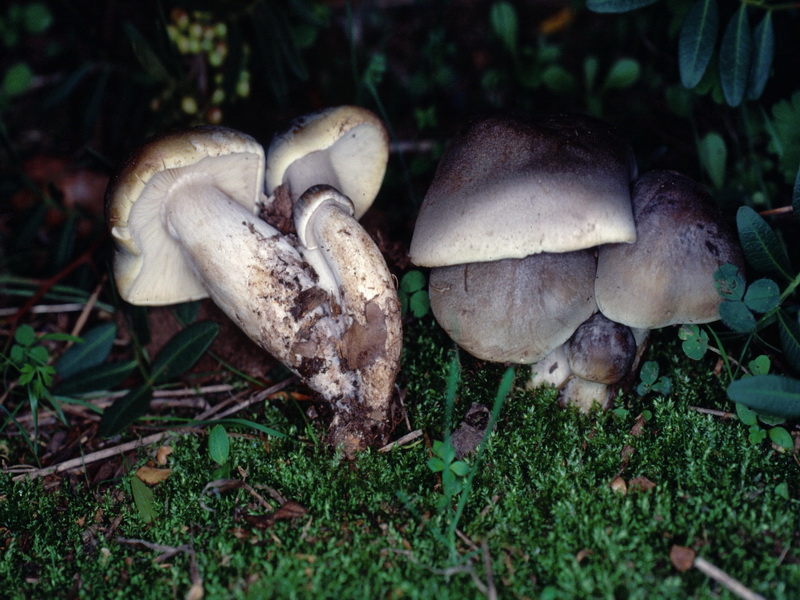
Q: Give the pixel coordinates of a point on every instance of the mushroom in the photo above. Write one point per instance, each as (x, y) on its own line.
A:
(667, 276)
(506, 225)
(346, 147)
(600, 353)
(182, 214)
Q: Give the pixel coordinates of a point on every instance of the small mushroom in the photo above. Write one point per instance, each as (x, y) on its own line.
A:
(346, 147)
(506, 225)
(667, 276)
(600, 353)
(181, 212)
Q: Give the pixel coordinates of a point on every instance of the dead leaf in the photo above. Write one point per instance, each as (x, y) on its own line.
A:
(641, 484)
(682, 558)
(583, 554)
(289, 510)
(152, 475)
(163, 454)
(618, 485)
(638, 426)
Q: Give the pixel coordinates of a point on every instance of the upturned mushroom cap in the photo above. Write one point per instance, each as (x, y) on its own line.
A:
(508, 189)
(149, 266)
(516, 310)
(346, 147)
(667, 276)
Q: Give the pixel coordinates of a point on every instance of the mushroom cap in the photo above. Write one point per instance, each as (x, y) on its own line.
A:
(667, 276)
(601, 350)
(346, 147)
(506, 188)
(149, 265)
(516, 310)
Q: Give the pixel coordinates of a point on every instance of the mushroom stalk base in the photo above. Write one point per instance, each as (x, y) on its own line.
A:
(262, 281)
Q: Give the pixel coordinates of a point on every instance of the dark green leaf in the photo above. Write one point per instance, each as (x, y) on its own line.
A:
(757, 435)
(771, 394)
(762, 296)
(781, 437)
(695, 341)
(696, 42)
(38, 354)
(763, 52)
(649, 372)
(796, 196)
(143, 498)
(65, 243)
(713, 157)
(459, 468)
(729, 282)
(746, 415)
(436, 464)
(762, 248)
(663, 386)
(218, 444)
(95, 379)
(412, 281)
(37, 17)
(147, 56)
(623, 74)
(25, 335)
(17, 80)
(91, 352)
(125, 411)
(735, 56)
(180, 353)
(503, 17)
(789, 332)
(420, 304)
(557, 79)
(617, 6)
(737, 316)
(760, 365)
(186, 312)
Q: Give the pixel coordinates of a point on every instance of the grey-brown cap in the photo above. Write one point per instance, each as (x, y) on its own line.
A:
(149, 265)
(601, 350)
(345, 147)
(506, 188)
(516, 310)
(667, 276)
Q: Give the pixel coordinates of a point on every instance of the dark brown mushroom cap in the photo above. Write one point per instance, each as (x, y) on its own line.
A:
(516, 310)
(506, 188)
(601, 350)
(667, 276)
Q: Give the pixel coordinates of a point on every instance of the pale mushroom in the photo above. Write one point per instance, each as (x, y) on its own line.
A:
(181, 212)
(346, 147)
(667, 276)
(506, 223)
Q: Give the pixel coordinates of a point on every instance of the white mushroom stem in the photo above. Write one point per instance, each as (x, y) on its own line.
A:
(268, 288)
(352, 268)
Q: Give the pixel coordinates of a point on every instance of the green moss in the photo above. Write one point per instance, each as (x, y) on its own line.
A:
(541, 503)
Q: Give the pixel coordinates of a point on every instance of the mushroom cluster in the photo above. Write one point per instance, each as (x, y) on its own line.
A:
(546, 249)
(306, 282)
